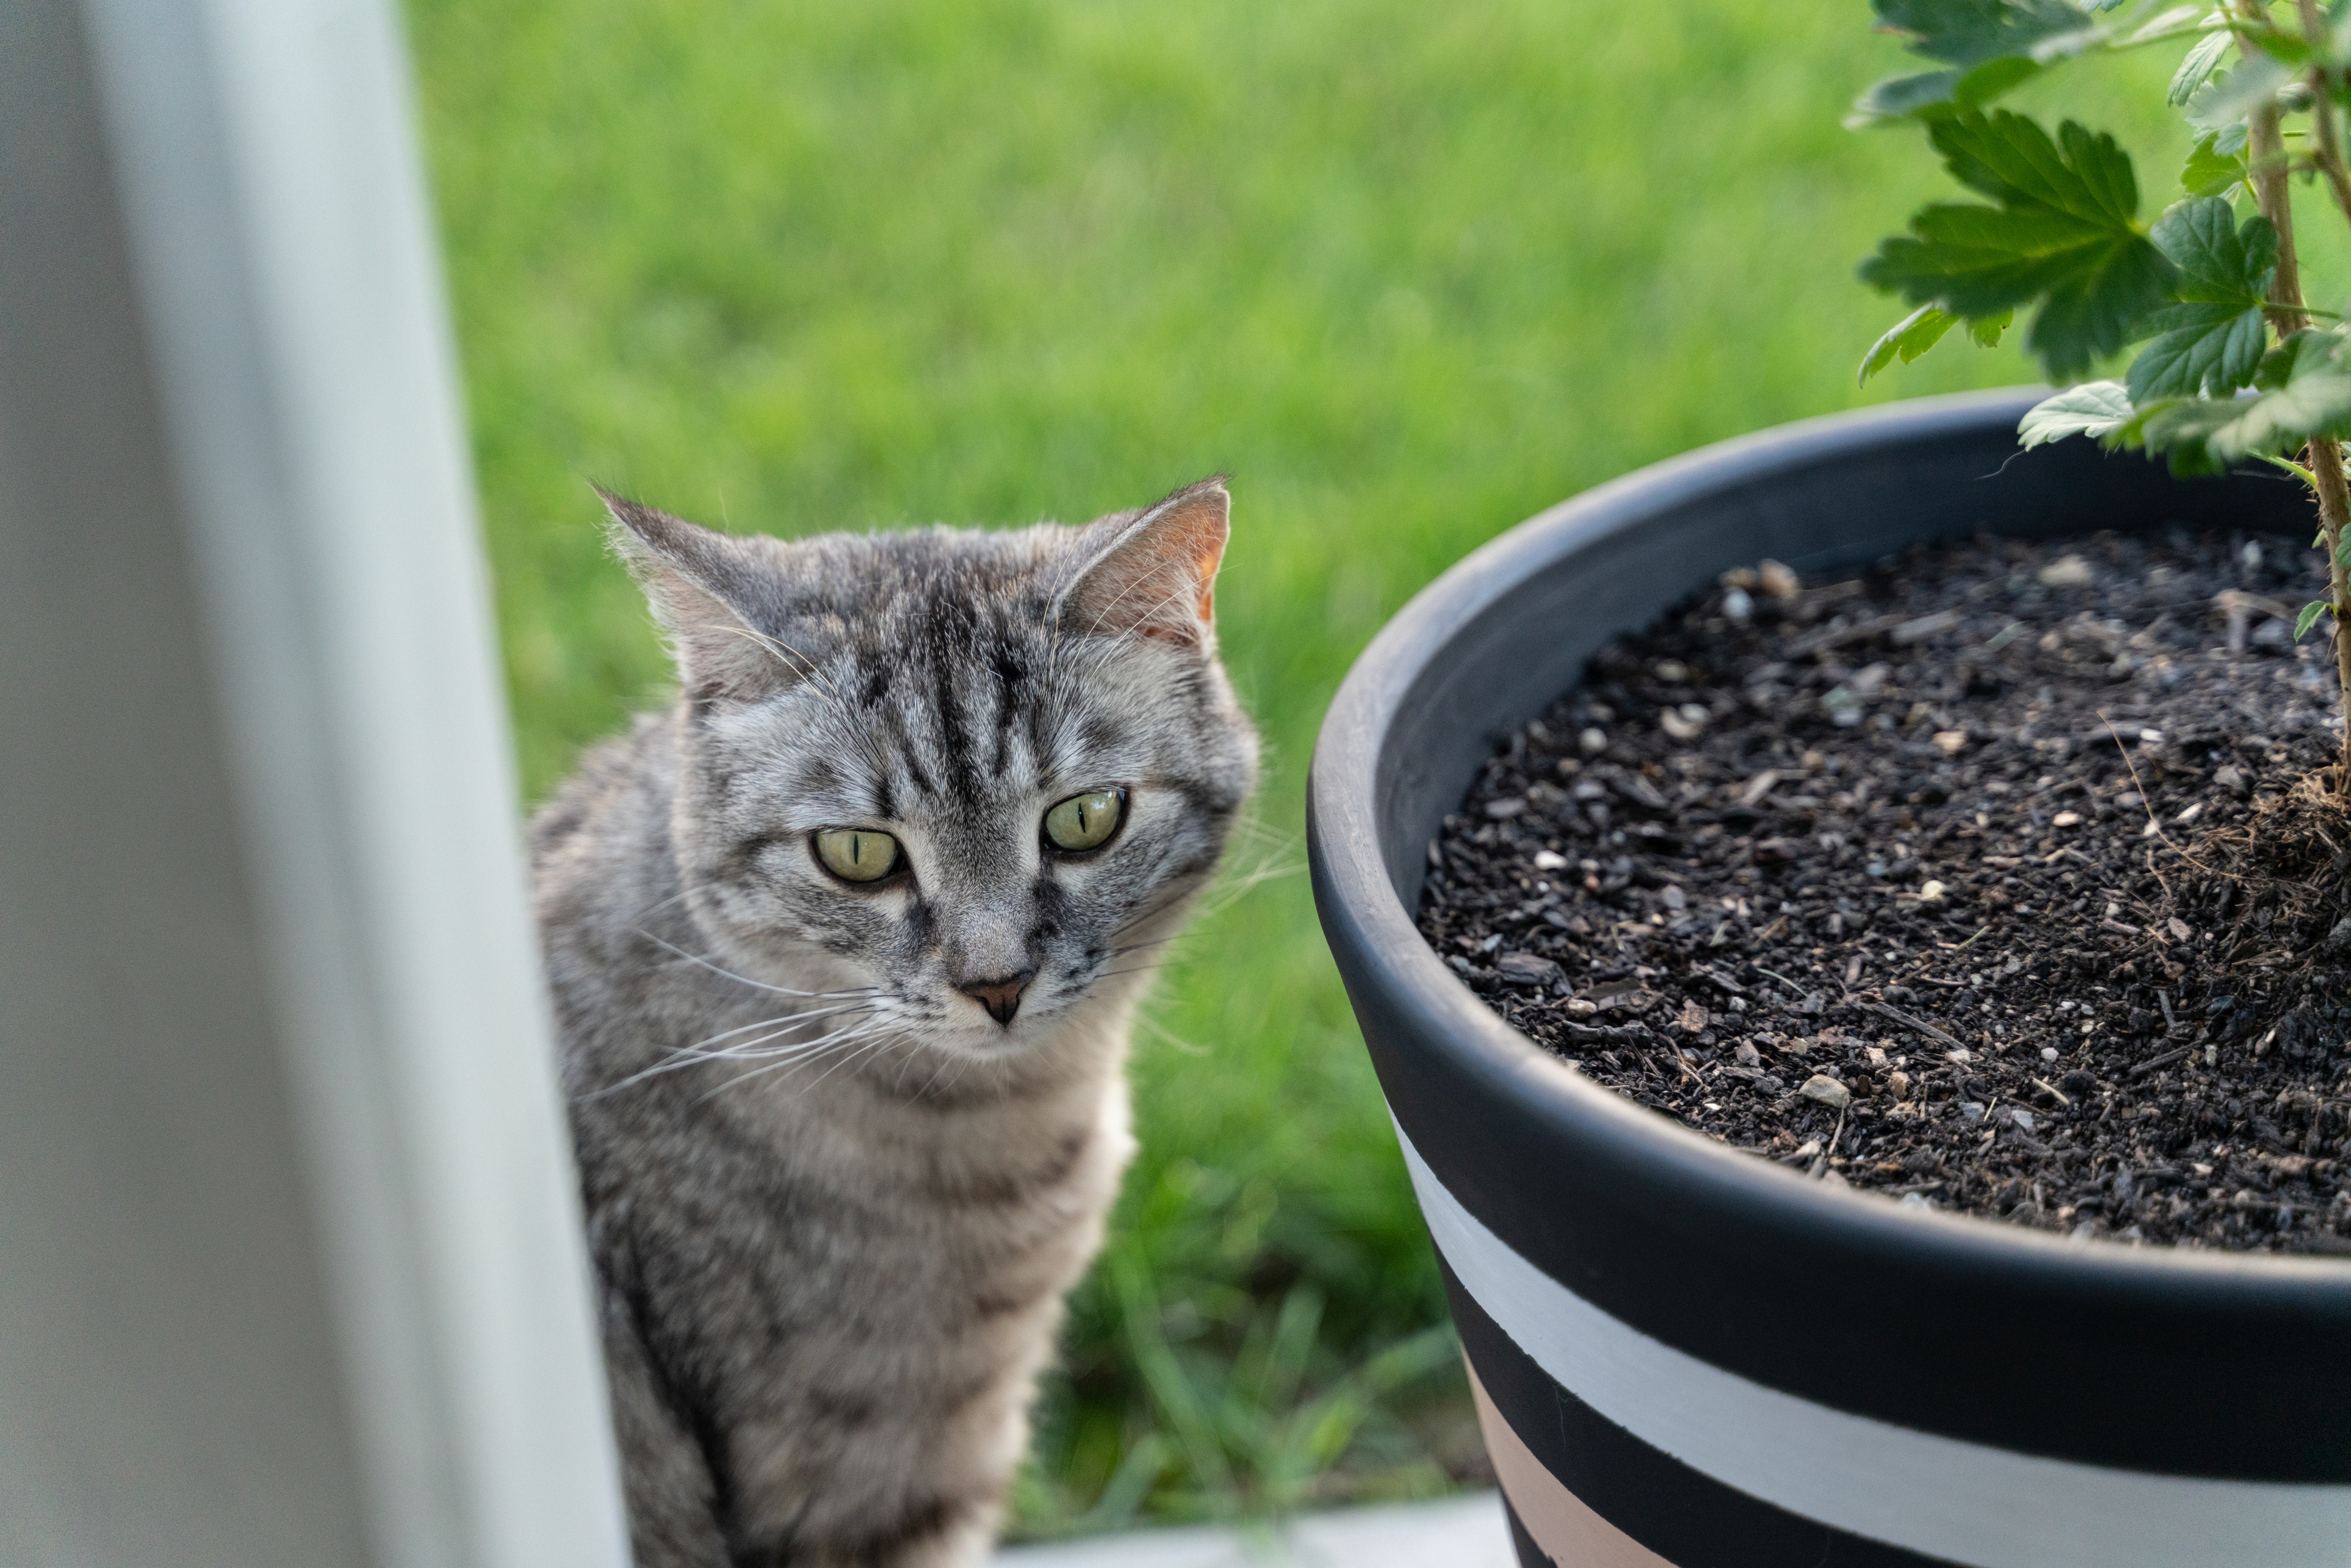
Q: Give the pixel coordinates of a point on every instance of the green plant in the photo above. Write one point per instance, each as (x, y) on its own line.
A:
(2234, 364)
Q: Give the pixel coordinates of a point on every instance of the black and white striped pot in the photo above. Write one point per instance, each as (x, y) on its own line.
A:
(1685, 1356)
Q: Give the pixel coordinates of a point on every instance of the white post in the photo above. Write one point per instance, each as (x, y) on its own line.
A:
(290, 1262)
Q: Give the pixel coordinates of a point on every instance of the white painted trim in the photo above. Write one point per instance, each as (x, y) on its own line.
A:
(299, 358)
(1961, 1502)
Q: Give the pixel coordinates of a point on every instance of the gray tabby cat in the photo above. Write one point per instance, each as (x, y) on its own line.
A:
(845, 947)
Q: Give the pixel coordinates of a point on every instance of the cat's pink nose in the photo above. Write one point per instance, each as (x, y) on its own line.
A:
(1000, 997)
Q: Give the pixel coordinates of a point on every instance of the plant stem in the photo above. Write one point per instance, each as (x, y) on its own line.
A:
(2265, 165)
(2265, 147)
(2329, 157)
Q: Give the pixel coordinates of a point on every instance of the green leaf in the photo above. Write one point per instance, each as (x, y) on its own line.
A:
(2197, 68)
(2211, 343)
(2281, 364)
(2309, 618)
(2095, 409)
(2342, 551)
(2064, 235)
(2287, 465)
(1986, 329)
(2172, 24)
(2220, 262)
(1908, 337)
(1932, 95)
(1990, 80)
(1967, 33)
(1988, 46)
(2207, 435)
(2083, 175)
(2227, 101)
(1899, 98)
(2209, 170)
(2207, 350)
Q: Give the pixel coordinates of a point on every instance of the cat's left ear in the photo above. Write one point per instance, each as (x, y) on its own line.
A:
(1154, 574)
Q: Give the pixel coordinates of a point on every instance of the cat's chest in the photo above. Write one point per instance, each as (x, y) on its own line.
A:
(986, 1181)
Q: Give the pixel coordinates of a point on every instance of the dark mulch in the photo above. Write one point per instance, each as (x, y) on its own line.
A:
(1996, 878)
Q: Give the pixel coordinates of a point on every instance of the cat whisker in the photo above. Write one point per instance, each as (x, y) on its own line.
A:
(686, 1056)
(857, 735)
(813, 1050)
(658, 905)
(746, 981)
(1227, 891)
(961, 1064)
(794, 1051)
(945, 1062)
(1139, 946)
(1171, 1037)
(787, 1019)
(758, 1046)
(798, 662)
(1152, 911)
(867, 1048)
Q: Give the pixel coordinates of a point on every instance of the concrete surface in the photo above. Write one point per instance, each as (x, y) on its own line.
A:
(1459, 1533)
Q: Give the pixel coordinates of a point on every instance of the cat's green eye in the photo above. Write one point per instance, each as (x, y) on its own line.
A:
(857, 854)
(1085, 821)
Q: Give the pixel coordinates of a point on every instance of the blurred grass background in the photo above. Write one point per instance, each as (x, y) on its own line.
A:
(1409, 273)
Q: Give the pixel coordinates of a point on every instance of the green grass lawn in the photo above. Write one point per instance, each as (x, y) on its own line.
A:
(1408, 273)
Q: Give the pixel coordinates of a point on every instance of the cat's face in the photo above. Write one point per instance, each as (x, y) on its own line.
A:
(962, 778)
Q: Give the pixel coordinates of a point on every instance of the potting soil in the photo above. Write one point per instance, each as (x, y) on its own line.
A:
(2001, 878)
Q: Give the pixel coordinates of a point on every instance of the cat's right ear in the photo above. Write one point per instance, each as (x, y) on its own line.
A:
(706, 591)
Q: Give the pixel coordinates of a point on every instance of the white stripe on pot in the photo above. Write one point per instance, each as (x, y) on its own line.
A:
(1964, 1502)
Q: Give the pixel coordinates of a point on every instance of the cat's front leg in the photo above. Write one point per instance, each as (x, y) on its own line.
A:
(671, 1498)
(961, 1541)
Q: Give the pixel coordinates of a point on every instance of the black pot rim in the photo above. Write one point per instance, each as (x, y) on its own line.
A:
(1361, 908)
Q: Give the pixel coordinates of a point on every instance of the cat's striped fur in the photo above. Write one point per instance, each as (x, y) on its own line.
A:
(833, 1204)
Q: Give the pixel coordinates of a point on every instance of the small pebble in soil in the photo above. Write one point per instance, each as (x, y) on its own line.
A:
(1992, 875)
(1820, 1086)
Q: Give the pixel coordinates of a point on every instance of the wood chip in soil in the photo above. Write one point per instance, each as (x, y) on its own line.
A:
(2000, 878)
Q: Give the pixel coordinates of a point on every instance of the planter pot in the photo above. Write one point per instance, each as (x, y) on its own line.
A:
(1686, 1355)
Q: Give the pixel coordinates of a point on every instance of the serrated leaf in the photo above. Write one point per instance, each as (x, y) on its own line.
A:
(2201, 350)
(1932, 95)
(2083, 175)
(1967, 33)
(2097, 309)
(1899, 98)
(2342, 551)
(2227, 101)
(2063, 235)
(2210, 171)
(1991, 79)
(2280, 365)
(2197, 68)
(1907, 340)
(2207, 435)
(2220, 261)
(2170, 23)
(1986, 329)
(2095, 409)
(2309, 618)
